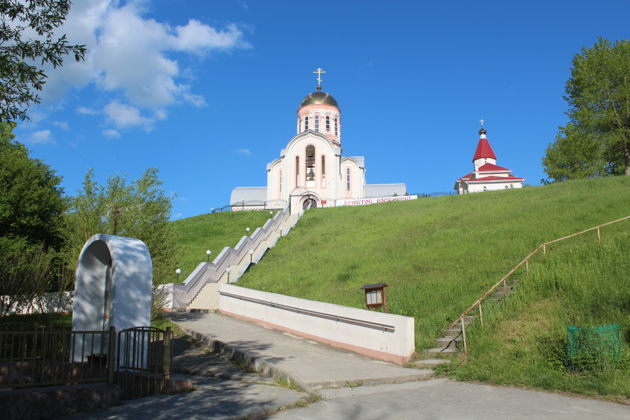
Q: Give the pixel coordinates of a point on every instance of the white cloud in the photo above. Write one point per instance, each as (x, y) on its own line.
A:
(41, 137)
(62, 124)
(132, 55)
(196, 100)
(87, 111)
(111, 133)
(198, 38)
(123, 116)
(244, 152)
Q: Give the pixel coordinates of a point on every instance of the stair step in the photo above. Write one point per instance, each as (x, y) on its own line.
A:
(430, 362)
(456, 330)
(448, 341)
(441, 350)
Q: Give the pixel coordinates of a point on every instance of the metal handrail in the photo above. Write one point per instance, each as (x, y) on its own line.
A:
(525, 261)
(337, 318)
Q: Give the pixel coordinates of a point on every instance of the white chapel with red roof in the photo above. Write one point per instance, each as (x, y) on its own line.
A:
(487, 175)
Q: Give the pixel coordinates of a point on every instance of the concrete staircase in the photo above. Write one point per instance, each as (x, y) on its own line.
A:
(451, 341)
(207, 298)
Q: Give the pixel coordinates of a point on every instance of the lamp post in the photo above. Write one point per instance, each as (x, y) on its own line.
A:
(247, 230)
(271, 213)
(251, 256)
(208, 252)
(178, 272)
(228, 271)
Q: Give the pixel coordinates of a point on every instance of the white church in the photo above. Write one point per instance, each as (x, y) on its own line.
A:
(311, 170)
(486, 175)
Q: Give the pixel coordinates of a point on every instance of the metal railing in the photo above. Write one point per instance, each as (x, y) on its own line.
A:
(43, 357)
(332, 317)
(137, 359)
(144, 361)
(524, 262)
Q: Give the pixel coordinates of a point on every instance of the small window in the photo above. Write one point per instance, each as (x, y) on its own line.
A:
(297, 170)
(485, 188)
(305, 123)
(347, 179)
(323, 165)
(336, 131)
(327, 124)
(316, 122)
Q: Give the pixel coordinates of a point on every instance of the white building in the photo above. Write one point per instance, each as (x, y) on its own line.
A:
(487, 175)
(311, 170)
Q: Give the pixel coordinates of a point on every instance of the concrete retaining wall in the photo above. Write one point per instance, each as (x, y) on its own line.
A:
(374, 334)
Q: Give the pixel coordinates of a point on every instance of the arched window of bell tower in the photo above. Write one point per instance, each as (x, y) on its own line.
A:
(305, 123)
(336, 128)
(317, 123)
(310, 162)
(327, 123)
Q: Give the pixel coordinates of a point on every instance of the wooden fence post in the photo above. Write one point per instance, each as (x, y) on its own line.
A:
(480, 314)
(111, 358)
(464, 334)
(599, 237)
(527, 267)
(544, 249)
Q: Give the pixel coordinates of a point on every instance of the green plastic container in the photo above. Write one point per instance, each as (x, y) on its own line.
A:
(590, 348)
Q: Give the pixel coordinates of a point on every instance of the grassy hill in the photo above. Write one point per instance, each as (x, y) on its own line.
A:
(437, 254)
(213, 231)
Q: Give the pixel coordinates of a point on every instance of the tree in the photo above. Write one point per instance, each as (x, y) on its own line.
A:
(28, 41)
(596, 141)
(31, 202)
(32, 229)
(139, 210)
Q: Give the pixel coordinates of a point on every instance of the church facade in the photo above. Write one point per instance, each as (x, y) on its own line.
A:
(311, 170)
(486, 175)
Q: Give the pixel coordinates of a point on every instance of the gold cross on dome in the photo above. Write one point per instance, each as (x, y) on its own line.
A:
(319, 73)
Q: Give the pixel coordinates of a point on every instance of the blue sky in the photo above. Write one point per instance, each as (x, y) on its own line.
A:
(207, 91)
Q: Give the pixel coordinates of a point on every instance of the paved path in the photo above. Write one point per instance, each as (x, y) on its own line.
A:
(222, 391)
(212, 399)
(309, 364)
(442, 399)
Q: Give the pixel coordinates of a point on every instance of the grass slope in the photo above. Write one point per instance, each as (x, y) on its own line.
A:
(523, 340)
(437, 254)
(212, 231)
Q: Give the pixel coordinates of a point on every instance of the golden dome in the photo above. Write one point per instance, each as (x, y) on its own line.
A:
(319, 98)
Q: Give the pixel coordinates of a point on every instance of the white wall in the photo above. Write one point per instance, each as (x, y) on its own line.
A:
(379, 335)
(473, 188)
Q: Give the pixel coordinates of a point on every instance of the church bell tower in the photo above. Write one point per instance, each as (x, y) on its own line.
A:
(319, 112)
